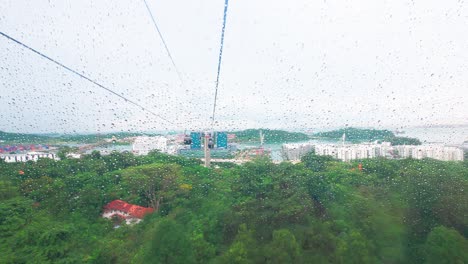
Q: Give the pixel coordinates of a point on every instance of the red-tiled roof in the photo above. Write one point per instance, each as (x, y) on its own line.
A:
(131, 209)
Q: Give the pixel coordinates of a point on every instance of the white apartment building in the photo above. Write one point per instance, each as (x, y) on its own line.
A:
(143, 145)
(348, 152)
(433, 151)
(295, 151)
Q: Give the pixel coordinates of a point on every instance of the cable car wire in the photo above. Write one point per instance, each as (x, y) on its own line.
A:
(226, 3)
(164, 42)
(83, 76)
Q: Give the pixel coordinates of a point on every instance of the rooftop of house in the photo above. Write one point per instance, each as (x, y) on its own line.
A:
(131, 209)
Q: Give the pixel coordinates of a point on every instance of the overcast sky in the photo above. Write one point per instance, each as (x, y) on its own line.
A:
(287, 64)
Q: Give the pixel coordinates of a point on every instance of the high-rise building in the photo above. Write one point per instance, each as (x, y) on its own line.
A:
(295, 151)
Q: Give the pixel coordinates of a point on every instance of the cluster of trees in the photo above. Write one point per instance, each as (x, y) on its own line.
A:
(368, 135)
(317, 211)
(270, 136)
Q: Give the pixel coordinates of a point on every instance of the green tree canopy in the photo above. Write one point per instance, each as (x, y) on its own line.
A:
(445, 245)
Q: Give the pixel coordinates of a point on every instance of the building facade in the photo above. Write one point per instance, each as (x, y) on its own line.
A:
(30, 156)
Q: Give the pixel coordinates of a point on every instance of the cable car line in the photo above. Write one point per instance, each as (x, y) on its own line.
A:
(83, 76)
(164, 42)
(226, 3)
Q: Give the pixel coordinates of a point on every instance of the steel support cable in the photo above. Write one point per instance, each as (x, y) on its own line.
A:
(164, 42)
(226, 4)
(84, 77)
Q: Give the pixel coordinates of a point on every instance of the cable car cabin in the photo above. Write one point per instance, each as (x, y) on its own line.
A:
(187, 140)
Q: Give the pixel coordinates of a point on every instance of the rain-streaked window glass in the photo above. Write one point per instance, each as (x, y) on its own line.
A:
(217, 131)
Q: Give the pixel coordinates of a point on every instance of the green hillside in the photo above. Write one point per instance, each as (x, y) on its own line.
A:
(357, 135)
(271, 136)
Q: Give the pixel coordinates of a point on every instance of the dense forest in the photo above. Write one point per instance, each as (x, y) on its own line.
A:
(270, 136)
(356, 135)
(316, 211)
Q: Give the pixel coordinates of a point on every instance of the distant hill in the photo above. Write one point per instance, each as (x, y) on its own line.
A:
(368, 135)
(356, 134)
(9, 138)
(271, 136)
(92, 138)
(21, 138)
